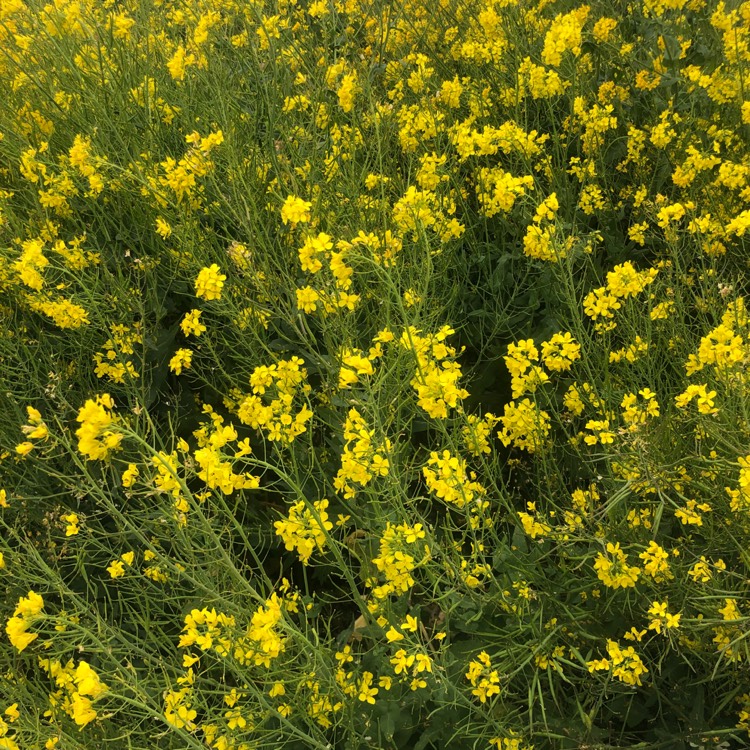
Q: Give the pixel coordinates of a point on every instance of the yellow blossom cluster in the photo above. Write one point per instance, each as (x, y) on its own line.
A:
(362, 459)
(216, 468)
(115, 361)
(396, 560)
(17, 628)
(613, 570)
(209, 282)
(485, 680)
(96, 438)
(78, 687)
(450, 481)
(277, 418)
(539, 241)
(304, 530)
(624, 664)
(436, 377)
(35, 430)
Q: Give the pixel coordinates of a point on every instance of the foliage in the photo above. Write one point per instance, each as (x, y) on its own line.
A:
(374, 375)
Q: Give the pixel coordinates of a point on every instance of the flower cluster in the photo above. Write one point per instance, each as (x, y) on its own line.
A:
(449, 481)
(623, 282)
(304, 530)
(436, 377)
(362, 458)
(277, 417)
(397, 561)
(210, 282)
(115, 362)
(96, 438)
(216, 468)
(485, 680)
(624, 664)
(17, 627)
(78, 687)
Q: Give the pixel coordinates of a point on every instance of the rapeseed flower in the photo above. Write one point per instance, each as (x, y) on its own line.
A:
(209, 283)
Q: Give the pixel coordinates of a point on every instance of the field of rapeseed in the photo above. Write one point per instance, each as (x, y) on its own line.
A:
(374, 374)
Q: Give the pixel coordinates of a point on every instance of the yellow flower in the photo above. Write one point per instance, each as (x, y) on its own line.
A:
(12, 712)
(449, 480)
(129, 475)
(612, 569)
(484, 679)
(277, 689)
(661, 618)
(560, 352)
(23, 449)
(410, 625)
(307, 299)
(366, 692)
(599, 303)
(16, 629)
(402, 661)
(565, 34)
(603, 28)
(36, 429)
(295, 211)
(313, 249)
(122, 24)
(191, 323)
(305, 530)
(81, 710)
(209, 282)
(87, 681)
(347, 91)
(72, 528)
(30, 605)
(179, 62)
(524, 425)
(625, 664)
(181, 360)
(635, 635)
(411, 298)
(116, 569)
(95, 438)
(393, 635)
(624, 281)
(656, 562)
(703, 397)
(691, 513)
(531, 526)
(163, 228)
